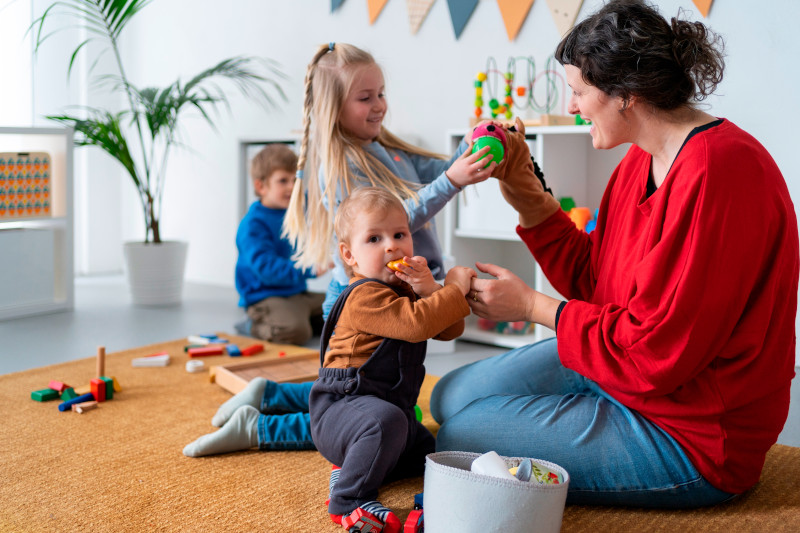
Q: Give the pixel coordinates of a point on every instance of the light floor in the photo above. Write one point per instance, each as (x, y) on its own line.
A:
(104, 316)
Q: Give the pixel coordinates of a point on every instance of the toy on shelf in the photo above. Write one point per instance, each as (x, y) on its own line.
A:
(493, 137)
(25, 184)
(524, 96)
(581, 216)
(506, 328)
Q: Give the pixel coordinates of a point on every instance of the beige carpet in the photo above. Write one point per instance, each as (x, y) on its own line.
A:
(120, 467)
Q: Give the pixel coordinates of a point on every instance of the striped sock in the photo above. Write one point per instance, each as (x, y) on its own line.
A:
(335, 471)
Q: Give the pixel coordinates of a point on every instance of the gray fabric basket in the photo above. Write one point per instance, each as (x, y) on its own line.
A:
(456, 499)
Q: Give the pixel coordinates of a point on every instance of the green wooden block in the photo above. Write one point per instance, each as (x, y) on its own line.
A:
(190, 346)
(109, 387)
(44, 395)
(68, 394)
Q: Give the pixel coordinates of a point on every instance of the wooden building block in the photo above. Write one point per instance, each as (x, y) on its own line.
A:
(152, 360)
(67, 406)
(109, 387)
(206, 351)
(69, 393)
(84, 406)
(252, 349)
(58, 385)
(44, 395)
(98, 389)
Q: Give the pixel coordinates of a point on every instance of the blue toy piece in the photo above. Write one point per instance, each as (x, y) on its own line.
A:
(66, 406)
(233, 350)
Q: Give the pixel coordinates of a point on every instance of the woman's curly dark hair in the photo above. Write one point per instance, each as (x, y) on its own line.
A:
(628, 49)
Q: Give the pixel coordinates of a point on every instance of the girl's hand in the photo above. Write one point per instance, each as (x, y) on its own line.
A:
(466, 170)
(462, 277)
(417, 274)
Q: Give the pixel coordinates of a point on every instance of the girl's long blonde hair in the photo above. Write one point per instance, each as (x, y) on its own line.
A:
(309, 224)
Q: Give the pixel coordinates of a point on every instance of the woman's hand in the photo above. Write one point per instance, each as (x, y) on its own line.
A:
(467, 170)
(508, 299)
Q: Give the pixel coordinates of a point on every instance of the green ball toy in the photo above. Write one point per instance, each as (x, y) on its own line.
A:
(493, 137)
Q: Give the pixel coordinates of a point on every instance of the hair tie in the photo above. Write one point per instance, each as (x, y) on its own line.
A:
(330, 46)
(299, 173)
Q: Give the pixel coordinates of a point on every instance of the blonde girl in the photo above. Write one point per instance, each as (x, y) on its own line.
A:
(345, 146)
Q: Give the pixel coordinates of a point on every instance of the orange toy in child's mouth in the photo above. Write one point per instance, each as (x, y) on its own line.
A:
(395, 265)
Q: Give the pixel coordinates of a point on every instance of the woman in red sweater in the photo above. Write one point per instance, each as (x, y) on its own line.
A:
(669, 376)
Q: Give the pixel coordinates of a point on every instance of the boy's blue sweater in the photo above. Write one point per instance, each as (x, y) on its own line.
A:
(264, 267)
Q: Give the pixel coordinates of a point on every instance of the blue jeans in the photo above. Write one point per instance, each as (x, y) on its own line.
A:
(525, 403)
(284, 423)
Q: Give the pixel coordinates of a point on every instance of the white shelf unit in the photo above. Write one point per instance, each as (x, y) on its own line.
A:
(248, 148)
(481, 226)
(36, 271)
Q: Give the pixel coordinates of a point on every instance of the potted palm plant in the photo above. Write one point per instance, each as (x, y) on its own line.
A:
(142, 133)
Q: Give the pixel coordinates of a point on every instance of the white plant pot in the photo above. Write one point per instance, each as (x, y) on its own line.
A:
(155, 272)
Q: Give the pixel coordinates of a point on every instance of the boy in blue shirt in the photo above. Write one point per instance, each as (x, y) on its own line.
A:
(271, 288)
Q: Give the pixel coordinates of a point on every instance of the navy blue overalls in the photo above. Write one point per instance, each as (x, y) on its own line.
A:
(363, 420)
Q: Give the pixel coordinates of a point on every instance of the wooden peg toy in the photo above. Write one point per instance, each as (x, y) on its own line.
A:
(101, 361)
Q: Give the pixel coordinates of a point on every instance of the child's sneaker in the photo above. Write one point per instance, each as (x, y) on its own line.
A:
(372, 517)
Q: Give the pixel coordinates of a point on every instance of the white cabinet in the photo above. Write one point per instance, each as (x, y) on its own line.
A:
(248, 148)
(36, 250)
(481, 226)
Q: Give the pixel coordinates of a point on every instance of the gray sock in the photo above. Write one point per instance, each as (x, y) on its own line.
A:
(250, 395)
(240, 433)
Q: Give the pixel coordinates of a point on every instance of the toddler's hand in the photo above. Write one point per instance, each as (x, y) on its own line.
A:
(466, 170)
(460, 276)
(416, 273)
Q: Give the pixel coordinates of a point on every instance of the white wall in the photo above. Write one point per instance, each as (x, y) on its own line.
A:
(429, 79)
(429, 86)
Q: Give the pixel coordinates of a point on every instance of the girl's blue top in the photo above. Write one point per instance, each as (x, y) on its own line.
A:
(435, 192)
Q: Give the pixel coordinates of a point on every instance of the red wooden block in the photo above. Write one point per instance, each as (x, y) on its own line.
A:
(253, 349)
(206, 350)
(57, 385)
(98, 389)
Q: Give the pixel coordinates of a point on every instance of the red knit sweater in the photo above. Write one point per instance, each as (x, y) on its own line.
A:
(682, 305)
